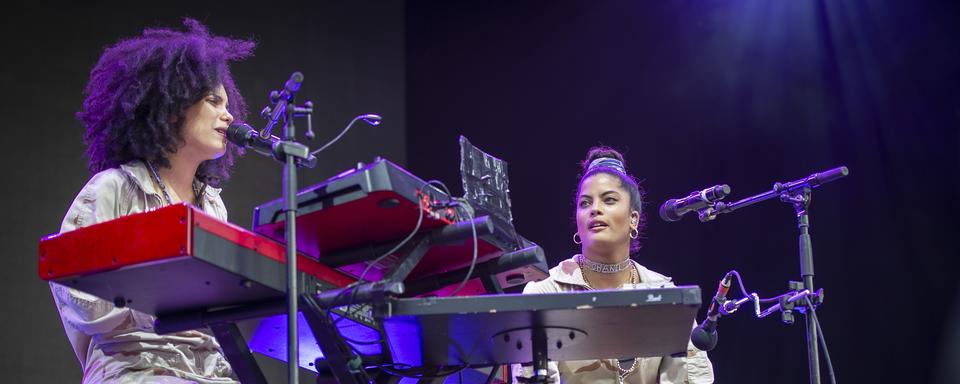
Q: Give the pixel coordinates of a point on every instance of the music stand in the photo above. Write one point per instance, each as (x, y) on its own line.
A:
(514, 328)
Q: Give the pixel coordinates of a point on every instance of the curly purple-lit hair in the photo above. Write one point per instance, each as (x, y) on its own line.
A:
(141, 87)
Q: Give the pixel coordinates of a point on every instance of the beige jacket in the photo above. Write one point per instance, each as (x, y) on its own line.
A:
(118, 345)
(694, 368)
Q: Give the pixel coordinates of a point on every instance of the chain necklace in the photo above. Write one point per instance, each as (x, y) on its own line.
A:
(634, 276)
(163, 187)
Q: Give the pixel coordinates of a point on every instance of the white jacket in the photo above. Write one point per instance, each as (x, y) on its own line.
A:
(119, 345)
(695, 368)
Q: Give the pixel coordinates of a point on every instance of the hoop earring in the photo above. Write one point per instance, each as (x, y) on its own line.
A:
(576, 238)
(634, 233)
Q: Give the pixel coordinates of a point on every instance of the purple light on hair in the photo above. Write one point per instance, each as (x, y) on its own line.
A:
(141, 86)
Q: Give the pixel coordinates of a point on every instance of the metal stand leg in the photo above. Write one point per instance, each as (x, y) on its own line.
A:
(801, 201)
(539, 347)
(237, 353)
(346, 365)
(491, 284)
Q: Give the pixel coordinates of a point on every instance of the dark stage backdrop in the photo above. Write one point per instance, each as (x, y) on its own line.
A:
(352, 56)
(746, 93)
(697, 93)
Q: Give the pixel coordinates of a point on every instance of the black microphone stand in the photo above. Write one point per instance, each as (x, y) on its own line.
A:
(285, 107)
(797, 193)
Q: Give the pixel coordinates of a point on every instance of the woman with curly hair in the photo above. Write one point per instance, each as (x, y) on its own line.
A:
(609, 216)
(156, 111)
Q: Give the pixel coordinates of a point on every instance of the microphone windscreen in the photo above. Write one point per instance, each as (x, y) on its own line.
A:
(239, 134)
(293, 84)
(703, 340)
(668, 211)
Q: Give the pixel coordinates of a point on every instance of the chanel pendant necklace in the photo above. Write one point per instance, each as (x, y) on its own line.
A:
(634, 278)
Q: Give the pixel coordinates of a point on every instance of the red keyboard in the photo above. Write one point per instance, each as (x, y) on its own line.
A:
(175, 258)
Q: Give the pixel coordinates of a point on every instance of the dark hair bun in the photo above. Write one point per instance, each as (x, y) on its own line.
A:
(600, 153)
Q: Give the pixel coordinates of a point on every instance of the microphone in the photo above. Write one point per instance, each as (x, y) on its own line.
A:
(371, 119)
(247, 137)
(280, 99)
(293, 83)
(674, 209)
(704, 336)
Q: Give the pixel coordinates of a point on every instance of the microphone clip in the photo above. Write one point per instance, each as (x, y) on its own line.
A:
(788, 302)
(246, 136)
(713, 203)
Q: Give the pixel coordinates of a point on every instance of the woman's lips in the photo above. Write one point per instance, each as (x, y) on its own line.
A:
(598, 227)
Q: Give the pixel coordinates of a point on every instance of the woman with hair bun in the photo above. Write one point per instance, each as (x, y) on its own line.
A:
(156, 112)
(609, 215)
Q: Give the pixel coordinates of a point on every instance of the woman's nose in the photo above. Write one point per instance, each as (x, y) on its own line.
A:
(594, 210)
